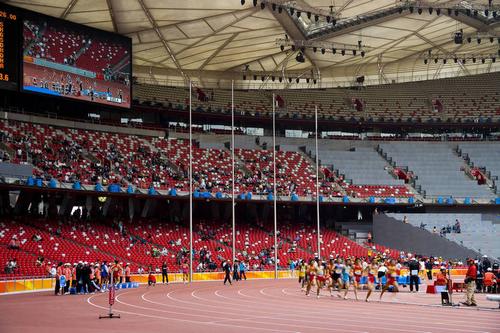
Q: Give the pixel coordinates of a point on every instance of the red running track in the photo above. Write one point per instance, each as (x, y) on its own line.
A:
(247, 306)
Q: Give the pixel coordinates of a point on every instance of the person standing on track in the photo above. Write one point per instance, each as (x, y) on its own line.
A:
(243, 269)
(127, 272)
(67, 274)
(414, 267)
(59, 273)
(73, 276)
(97, 276)
(470, 283)
(164, 272)
(185, 271)
(104, 274)
(236, 276)
(86, 271)
(428, 268)
(116, 269)
(442, 286)
(226, 266)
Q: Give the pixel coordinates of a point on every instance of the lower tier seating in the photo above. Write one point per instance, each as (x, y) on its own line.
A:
(42, 243)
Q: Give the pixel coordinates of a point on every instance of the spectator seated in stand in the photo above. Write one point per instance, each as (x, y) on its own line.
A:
(14, 243)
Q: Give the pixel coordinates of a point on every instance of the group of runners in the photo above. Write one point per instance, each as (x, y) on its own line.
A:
(341, 274)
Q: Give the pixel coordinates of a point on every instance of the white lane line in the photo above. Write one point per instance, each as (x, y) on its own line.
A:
(252, 328)
(478, 318)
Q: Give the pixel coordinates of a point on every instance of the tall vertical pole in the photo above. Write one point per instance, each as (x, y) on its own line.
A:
(317, 181)
(190, 185)
(232, 172)
(275, 194)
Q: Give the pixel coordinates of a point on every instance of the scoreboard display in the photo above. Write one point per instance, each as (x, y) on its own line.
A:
(45, 55)
(9, 48)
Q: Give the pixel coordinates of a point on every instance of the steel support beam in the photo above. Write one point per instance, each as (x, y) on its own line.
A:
(170, 53)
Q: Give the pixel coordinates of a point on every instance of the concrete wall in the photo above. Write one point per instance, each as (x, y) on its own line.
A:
(80, 125)
(398, 235)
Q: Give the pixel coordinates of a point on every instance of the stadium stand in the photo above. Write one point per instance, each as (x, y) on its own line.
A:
(150, 243)
(364, 172)
(485, 157)
(472, 98)
(438, 170)
(249, 165)
(70, 154)
(475, 231)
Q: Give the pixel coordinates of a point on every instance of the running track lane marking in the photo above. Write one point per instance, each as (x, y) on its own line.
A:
(410, 303)
(275, 317)
(296, 314)
(218, 292)
(181, 320)
(440, 319)
(204, 310)
(268, 317)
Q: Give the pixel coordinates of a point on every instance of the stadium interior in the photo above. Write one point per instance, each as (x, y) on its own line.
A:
(264, 132)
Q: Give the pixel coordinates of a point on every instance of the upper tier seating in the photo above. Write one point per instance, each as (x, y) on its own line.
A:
(72, 154)
(363, 166)
(293, 172)
(471, 98)
(485, 156)
(438, 170)
(364, 172)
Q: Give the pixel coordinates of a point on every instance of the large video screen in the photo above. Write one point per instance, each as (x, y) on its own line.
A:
(9, 48)
(69, 60)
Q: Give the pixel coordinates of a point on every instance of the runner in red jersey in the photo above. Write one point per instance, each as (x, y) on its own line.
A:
(391, 278)
(357, 269)
(371, 272)
(311, 274)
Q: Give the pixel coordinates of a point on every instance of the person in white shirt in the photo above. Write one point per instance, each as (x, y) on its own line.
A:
(199, 268)
(381, 273)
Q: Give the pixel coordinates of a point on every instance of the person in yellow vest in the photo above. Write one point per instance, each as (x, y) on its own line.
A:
(302, 273)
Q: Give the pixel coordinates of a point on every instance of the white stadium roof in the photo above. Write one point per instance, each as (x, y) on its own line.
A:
(213, 40)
